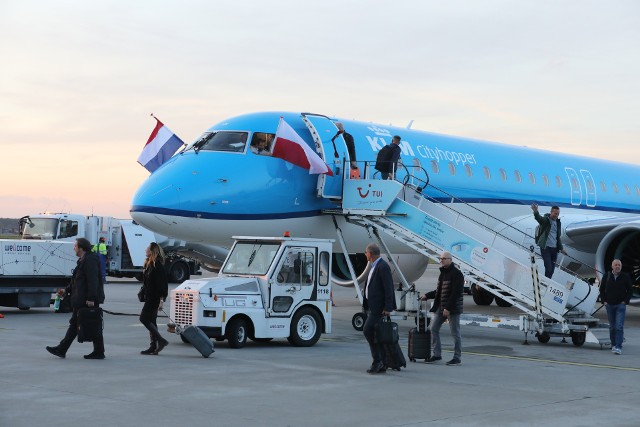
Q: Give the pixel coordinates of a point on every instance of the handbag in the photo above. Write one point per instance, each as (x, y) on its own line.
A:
(141, 294)
(387, 331)
(89, 323)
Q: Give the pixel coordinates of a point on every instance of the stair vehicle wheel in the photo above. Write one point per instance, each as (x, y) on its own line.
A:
(236, 333)
(578, 338)
(543, 337)
(358, 321)
(502, 303)
(480, 296)
(306, 327)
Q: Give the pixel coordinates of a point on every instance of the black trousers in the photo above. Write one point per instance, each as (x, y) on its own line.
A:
(148, 317)
(72, 333)
(377, 350)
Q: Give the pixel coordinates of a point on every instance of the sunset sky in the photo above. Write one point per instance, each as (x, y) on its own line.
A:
(78, 79)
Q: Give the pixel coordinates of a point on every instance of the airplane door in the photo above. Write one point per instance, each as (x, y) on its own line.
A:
(323, 131)
(590, 186)
(294, 281)
(574, 184)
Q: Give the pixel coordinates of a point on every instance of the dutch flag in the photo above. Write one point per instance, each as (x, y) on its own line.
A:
(159, 148)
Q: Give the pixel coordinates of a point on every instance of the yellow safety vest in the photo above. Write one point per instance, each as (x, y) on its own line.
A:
(100, 247)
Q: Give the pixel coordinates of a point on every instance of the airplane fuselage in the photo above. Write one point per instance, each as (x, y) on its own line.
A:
(211, 192)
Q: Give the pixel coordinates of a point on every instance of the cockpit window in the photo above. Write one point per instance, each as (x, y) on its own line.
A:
(261, 143)
(222, 141)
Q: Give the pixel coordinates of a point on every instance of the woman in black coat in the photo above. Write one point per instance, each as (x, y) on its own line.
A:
(155, 289)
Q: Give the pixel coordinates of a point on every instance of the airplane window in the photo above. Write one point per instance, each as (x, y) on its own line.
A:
(468, 170)
(517, 176)
(590, 186)
(452, 168)
(222, 141)
(558, 181)
(532, 178)
(487, 172)
(261, 143)
(627, 189)
(503, 174)
(545, 179)
(435, 168)
(615, 187)
(603, 186)
(637, 191)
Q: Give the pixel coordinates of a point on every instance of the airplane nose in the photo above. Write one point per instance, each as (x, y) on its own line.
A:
(157, 197)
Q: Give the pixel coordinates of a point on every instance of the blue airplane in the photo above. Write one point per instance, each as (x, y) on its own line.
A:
(221, 185)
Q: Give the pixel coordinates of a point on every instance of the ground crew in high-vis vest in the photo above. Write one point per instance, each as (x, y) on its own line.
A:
(101, 249)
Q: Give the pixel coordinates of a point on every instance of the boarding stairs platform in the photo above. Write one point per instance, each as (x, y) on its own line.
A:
(412, 213)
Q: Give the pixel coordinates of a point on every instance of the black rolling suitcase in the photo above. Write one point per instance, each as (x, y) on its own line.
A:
(89, 323)
(420, 338)
(196, 337)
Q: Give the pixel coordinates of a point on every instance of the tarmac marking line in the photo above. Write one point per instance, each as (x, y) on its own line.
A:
(559, 362)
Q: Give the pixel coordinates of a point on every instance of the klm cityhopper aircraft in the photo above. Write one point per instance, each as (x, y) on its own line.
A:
(222, 185)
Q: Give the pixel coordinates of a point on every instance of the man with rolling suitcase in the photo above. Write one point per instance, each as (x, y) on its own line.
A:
(379, 302)
(87, 293)
(447, 305)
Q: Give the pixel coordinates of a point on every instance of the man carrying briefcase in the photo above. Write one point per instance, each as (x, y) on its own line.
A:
(87, 290)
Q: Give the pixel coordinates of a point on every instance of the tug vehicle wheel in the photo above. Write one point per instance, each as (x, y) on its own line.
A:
(236, 333)
(306, 327)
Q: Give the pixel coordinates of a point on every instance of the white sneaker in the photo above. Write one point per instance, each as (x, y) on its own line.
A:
(617, 350)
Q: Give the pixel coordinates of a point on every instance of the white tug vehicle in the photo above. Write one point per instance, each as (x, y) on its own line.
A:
(268, 287)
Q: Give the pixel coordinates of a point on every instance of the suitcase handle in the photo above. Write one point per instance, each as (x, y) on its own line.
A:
(178, 327)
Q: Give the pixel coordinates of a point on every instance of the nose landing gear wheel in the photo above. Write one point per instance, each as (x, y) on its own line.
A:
(358, 321)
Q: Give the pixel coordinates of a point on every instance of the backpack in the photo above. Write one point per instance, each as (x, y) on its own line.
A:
(383, 159)
(538, 233)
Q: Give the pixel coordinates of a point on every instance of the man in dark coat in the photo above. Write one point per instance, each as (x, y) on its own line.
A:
(378, 301)
(350, 143)
(86, 290)
(549, 237)
(616, 290)
(447, 305)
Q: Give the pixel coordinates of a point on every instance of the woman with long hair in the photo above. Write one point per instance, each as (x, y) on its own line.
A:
(155, 289)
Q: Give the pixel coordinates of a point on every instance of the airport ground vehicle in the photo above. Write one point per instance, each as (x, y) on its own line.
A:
(30, 271)
(43, 259)
(268, 287)
(126, 242)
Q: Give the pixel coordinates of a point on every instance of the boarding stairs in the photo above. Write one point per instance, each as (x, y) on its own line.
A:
(412, 212)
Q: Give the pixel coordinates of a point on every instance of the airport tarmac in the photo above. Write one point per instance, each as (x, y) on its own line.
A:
(500, 382)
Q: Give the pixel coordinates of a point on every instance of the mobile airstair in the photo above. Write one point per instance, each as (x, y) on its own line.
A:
(413, 213)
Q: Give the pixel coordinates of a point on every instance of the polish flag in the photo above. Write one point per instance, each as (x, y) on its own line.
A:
(289, 146)
(159, 148)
